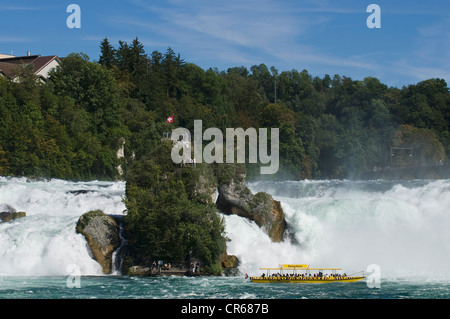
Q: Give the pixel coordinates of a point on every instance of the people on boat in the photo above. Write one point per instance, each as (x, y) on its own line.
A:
(305, 276)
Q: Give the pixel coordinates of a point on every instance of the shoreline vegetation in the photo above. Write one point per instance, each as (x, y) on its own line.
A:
(106, 119)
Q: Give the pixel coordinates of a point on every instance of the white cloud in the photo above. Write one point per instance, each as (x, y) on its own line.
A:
(240, 32)
(429, 56)
(289, 35)
(19, 8)
(433, 42)
(15, 39)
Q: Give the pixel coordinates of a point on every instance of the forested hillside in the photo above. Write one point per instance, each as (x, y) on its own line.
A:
(330, 127)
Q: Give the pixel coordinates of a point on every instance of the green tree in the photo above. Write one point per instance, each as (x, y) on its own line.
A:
(426, 148)
(4, 166)
(108, 54)
(291, 150)
(163, 222)
(92, 87)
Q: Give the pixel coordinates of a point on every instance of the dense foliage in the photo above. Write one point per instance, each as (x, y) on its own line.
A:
(167, 218)
(330, 127)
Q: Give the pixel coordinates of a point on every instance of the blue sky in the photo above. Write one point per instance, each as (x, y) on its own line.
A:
(322, 36)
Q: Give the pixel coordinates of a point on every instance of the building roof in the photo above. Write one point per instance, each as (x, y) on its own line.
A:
(9, 69)
(11, 66)
(4, 56)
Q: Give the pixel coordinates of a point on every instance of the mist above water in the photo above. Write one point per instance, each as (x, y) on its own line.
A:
(400, 226)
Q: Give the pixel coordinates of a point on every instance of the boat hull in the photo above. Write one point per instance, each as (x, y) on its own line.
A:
(315, 280)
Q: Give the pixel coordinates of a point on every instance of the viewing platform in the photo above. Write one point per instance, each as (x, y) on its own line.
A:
(410, 172)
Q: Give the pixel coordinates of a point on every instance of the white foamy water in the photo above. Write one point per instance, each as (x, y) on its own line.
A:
(45, 242)
(402, 227)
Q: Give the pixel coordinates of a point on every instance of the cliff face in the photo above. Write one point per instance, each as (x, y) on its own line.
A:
(235, 198)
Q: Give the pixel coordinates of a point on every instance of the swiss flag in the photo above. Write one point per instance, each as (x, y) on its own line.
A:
(170, 119)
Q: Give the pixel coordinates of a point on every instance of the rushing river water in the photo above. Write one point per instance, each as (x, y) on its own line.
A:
(397, 232)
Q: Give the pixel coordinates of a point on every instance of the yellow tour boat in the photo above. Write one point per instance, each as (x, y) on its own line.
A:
(302, 274)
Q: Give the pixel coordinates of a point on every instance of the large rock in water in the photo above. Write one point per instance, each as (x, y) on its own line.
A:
(236, 198)
(229, 261)
(229, 265)
(102, 234)
(8, 213)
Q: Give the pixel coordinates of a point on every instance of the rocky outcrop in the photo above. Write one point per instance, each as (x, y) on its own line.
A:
(139, 271)
(236, 198)
(229, 261)
(229, 265)
(205, 190)
(120, 154)
(102, 234)
(8, 213)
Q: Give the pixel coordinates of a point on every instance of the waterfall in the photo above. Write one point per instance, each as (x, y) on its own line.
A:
(117, 258)
(400, 226)
(45, 242)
